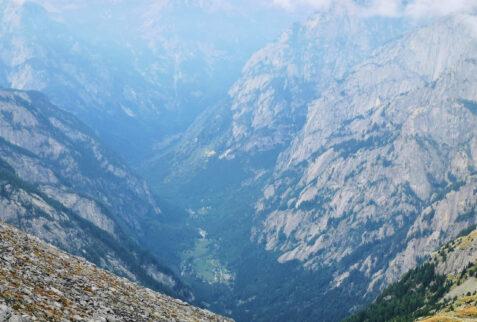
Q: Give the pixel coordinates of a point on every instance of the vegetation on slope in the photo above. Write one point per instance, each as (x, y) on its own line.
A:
(425, 294)
(415, 295)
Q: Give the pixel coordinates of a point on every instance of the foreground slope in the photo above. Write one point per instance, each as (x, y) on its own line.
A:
(442, 289)
(39, 281)
(346, 185)
(59, 183)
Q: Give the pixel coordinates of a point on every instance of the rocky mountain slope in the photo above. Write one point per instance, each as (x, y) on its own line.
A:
(52, 148)
(346, 165)
(40, 282)
(442, 289)
(385, 158)
(58, 182)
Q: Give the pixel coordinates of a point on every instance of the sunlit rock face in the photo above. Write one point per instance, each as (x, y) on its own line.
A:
(386, 160)
(269, 101)
(445, 285)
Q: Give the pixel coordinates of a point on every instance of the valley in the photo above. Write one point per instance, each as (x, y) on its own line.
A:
(291, 175)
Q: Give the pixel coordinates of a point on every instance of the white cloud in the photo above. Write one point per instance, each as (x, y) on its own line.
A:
(419, 8)
(388, 8)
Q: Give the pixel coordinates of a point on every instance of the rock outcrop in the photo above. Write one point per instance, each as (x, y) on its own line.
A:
(38, 282)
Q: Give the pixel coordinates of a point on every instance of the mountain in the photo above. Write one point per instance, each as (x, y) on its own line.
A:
(340, 159)
(443, 288)
(52, 148)
(58, 182)
(389, 157)
(267, 105)
(42, 53)
(136, 72)
(40, 282)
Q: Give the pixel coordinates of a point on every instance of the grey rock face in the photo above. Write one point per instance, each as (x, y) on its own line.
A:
(40, 282)
(268, 105)
(386, 160)
(270, 100)
(455, 256)
(52, 148)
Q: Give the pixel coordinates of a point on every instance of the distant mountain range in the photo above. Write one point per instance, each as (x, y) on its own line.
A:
(135, 72)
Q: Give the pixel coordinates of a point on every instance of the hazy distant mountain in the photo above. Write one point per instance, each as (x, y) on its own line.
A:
(59, 183)
(138, 73)
(339, 150)
(97, 84)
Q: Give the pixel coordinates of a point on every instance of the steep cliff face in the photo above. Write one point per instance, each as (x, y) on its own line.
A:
(269, 101)
(53, 149)
(60, 184)
(40, 282)
(363, 166)
(385, 160)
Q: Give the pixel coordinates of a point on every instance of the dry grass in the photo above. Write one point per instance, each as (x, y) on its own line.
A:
(468, 312)
(438, 318)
